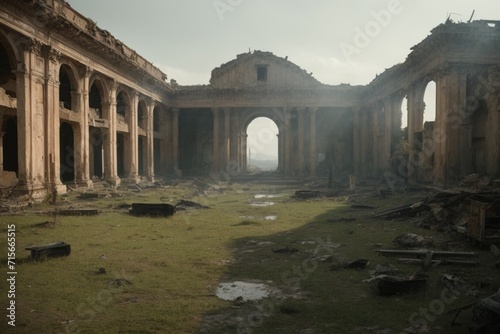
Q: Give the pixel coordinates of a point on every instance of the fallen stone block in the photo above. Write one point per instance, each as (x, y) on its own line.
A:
(152, 209)
(51, 250)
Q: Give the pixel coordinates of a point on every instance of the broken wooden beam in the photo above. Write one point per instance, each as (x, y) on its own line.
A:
(423, 252)
(448, 261)
(406, 209)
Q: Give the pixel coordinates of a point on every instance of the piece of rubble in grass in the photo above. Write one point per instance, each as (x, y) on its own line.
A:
(285, 250)
(412, 240)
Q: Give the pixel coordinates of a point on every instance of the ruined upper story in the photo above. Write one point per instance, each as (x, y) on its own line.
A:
(472, 45)
(56, 23)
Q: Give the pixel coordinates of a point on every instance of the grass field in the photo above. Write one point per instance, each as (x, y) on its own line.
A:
(161, 274)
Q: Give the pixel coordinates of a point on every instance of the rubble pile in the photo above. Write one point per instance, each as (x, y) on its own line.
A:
(473, 211)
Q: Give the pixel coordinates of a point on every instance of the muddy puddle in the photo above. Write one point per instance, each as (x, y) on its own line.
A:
(270, 217)
(243, 290)
(261, 196)
(262, 204)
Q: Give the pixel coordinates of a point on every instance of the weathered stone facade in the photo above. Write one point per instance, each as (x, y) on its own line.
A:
(77, 104)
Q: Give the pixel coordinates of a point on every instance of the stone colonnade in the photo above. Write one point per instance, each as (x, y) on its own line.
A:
(40, 113)
(443, 151)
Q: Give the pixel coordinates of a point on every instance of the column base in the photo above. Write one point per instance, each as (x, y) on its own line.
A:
(114, 181)
(60, 188)
(34, 192)
(85, 184)
(132, 179)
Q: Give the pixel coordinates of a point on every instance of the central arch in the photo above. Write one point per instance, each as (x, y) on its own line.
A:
(262, 144)
(261, 128)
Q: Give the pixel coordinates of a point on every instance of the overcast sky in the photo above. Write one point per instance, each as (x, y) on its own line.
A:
(188, 38)
(339, 41)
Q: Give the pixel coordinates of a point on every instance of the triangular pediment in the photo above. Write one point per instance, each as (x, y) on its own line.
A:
(260, 69)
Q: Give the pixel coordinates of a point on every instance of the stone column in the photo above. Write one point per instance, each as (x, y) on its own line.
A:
(53, 122)
(314, 153)
(215, 112)
(388, 124)
(166, 130)
(109, 136)
(150, 142)
(175, 140)
(30, 119)
(357, 141)
(80, 105)
(416, 107)
(450, 116)
(227, 137)
(301, 144)
(242, 152)
(133, 143)
(234, 143)
(288, 140)
(244, 156)
(375, 143)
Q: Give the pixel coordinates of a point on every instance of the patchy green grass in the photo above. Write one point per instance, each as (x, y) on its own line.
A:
(175, 264)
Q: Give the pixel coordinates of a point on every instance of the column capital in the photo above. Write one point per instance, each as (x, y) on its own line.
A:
(32, 45)
(85, 71)
(50, 53)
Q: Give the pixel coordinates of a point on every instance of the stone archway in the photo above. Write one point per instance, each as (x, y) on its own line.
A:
(262, 144)
(275, 116)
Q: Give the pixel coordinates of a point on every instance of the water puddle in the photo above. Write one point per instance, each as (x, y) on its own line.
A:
(243, 290)
(262, 204)
(260, 196)
(270, 217)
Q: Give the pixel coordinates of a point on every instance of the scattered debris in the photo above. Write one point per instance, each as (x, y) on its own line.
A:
(285, 250)
(306, 194)
(454, 283)
(119, 282)
(395, 285)
(486, 316)
(77, 212)
(123, 206)
(243, 291)
(404, 210)
(47, 224)
(152, 209)
(184, 205)
(412, 240)
(51, 250)
(427, 257)
(358, 264)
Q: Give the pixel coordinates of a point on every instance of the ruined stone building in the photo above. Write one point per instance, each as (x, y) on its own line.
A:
(77, 104)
